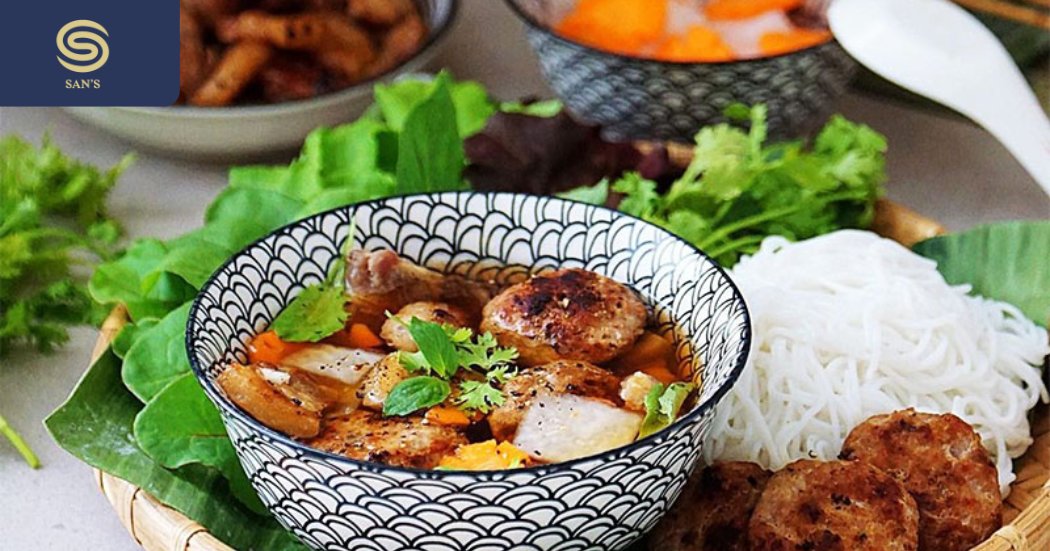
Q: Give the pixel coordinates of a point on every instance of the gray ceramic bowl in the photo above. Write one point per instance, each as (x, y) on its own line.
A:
(252, 131)
(605, 501)
(645, 99)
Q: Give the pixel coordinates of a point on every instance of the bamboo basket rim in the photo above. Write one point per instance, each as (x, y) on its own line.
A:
(157, 527)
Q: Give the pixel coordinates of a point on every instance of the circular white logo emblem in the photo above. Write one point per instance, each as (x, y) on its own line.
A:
(82, 46)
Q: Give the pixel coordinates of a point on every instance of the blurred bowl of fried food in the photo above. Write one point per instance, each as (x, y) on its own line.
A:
(256, 76)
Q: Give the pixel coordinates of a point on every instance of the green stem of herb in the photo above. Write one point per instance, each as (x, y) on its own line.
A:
(729, 229)
(19, 443)
(725, 231)
(735, 245)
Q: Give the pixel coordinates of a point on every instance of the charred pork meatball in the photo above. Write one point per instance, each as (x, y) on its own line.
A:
(396, 334)
(941, 462)
(566, 315)
(834, 506)
(397, 441)
(562, 377)
(713, 512)
(382, 281)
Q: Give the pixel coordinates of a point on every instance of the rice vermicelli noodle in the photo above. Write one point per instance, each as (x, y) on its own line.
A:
(850, 325)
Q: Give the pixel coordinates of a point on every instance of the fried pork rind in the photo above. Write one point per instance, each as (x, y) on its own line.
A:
(714, 510)
(304, 31)
(287, 50)
(193, 57)
(398, 44)
(238, 66)
(380, 12)
(941, 462)
(834, 506)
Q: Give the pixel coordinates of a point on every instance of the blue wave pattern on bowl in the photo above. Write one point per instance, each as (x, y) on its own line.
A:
(601, 502)
(634, 98)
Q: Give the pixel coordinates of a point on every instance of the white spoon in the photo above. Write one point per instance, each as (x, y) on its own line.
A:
(937, 49)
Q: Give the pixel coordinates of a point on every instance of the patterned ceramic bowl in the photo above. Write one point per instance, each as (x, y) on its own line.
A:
(601, 502)
(645, 99)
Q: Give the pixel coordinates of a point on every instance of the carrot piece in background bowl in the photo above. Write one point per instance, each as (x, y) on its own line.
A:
(775, 43)
(620, 26)
(727, 10)
(697, 44)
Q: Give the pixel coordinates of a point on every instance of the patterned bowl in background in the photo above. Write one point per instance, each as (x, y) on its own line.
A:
(634, 98)
(605, 501)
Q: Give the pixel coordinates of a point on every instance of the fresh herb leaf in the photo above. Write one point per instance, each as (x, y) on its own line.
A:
(317, 312)
(437, 352)
(180, 426)
(662, 405)
(738, 189)
(414, 394)
(1004, 261)
(397, 101)
(485, 354)
(597, 194)
(479, 396)
(95, 424)
(430, 150)
(158, 356)
(544, 108)
(122, 281)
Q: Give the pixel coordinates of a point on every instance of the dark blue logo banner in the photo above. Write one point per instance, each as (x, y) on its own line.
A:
(89, 52)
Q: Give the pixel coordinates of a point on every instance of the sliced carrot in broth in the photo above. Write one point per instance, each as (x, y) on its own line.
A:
(267, 347)
(358, 335)
(447, 416)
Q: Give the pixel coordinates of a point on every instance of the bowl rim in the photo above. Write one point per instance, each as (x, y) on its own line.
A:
(232, 409)
(537, 25)
(434, 39)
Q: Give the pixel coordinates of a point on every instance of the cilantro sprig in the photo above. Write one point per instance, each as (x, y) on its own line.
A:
(319, 311)
(444, 351)
(740, 188)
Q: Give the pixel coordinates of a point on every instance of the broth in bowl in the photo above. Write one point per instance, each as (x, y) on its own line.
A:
(430, 370)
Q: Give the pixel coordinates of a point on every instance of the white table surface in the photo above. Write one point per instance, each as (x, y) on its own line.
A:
(939, 165)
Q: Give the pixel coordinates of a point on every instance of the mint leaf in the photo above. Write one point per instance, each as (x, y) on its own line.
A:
(437, 353)
(317, 312)
(430, 150)
(414, 394)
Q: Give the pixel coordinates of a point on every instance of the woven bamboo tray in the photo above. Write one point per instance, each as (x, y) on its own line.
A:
(1027, 511)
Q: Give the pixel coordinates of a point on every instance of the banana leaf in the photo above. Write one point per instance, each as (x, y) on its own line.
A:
(1008, 261)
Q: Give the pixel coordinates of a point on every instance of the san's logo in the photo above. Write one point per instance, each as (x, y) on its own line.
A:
(82, 46)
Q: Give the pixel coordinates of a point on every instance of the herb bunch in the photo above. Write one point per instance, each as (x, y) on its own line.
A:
(53, 226)
(444, 351)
